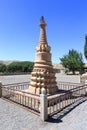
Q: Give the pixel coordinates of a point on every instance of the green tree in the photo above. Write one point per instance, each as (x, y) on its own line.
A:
(73, 61)
(11, 68)
(23, 66)
(2, 67)
(85, 47)
(27, 66)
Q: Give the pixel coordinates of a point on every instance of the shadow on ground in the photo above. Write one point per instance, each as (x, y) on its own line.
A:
(57, 118)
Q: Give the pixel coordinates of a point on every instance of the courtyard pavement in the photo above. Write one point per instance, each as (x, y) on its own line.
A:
(26, 78)
(14, 117)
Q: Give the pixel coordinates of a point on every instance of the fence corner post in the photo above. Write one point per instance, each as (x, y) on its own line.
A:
(44, 106)
(0, 89)
(86, 87)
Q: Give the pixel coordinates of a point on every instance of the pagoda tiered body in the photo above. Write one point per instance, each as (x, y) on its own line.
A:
(43, 75)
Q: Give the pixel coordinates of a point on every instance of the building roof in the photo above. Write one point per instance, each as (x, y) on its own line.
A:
(58, 66)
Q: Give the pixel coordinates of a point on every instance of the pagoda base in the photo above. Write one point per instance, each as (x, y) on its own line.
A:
(49, 91)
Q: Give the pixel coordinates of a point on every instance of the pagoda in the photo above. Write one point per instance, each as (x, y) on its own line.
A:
(43, 75)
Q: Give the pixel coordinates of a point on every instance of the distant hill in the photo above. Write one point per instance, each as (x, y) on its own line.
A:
(7, 62)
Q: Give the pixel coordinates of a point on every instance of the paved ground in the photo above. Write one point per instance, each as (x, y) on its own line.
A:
(14, 79)
(26, 78)
(68, 78)
(13, 117)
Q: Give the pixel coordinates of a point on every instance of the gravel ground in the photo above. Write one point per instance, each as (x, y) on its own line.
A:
(13, 117)
(14, 79)
(68, 78)
(26, 78)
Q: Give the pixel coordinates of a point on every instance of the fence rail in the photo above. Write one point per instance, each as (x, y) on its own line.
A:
(18, 95)
(68, 85)
(43, 104)
(18, 86)
(59, 102)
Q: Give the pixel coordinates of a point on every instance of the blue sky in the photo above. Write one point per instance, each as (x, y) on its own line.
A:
(19, 27)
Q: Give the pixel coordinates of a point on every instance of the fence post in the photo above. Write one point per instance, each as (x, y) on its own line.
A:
(44, 106)
(86, 87)
(0, 89)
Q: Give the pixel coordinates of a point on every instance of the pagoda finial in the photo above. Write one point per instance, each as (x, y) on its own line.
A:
(42, 21)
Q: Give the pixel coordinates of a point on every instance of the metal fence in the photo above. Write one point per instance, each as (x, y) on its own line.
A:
(18, 86)
(67, 85)
(43, 104)
(60, 101)
(17, 93)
